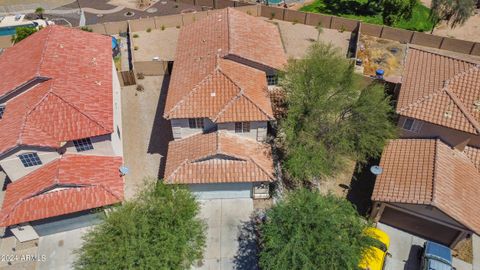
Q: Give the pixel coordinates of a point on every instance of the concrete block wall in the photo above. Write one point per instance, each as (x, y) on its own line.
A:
(403, 36)
(344, 24)
(455, 45)
(427, 40)
(316, 19)
(295, 16)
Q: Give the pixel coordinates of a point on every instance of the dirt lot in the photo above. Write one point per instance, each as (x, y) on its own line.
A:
(145, 132)
(297, 38)
(378, 53)
(157, 43)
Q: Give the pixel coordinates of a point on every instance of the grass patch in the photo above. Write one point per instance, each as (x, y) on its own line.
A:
(359, 10)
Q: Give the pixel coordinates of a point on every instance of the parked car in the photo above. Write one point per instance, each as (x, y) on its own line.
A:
(436, 256)
(374, 257)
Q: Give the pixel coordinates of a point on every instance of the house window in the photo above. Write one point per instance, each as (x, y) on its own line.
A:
(195, 123)
(30, 159)
(272, 79)
(242, 127)
(2, 110)
(83, 144)
(412, 125)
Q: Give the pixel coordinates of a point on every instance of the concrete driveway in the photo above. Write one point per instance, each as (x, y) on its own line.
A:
(226, 218)
(58, 249)
(406, 249)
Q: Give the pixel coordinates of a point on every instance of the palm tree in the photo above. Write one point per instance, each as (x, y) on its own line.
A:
(455, 12)
(39, 11)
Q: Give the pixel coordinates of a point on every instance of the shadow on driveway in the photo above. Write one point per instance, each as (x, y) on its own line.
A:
(413, 261)
(247, 255)
(161, 131)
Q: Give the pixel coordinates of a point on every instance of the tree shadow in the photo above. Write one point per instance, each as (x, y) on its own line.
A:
(161, 131)
(361, 187)
(413, 262)
(248, 249)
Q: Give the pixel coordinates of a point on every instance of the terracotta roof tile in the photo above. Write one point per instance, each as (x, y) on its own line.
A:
(428, 171)
(201, 67)
(218, 157)
(441, 90)
(87, 181)
(76, 99)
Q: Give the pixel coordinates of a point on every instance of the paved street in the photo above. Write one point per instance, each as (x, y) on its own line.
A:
(226, 219)
(406, 249)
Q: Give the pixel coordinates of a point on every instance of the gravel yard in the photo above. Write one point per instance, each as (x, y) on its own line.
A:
(145, 132)
(298, 37)
(157, 43)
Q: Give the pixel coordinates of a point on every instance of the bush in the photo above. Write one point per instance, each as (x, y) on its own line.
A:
(22, 33)
(135, 35)
(159, 229)
(149, 30)
(308, 230)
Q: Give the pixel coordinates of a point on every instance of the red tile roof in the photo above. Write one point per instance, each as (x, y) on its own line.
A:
(218, 157)
(70, 184)
(428, 171)
(201, 68)
(74, 102)
(441, 90)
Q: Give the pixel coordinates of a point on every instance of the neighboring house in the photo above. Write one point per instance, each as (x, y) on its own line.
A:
(440, 97)
(431, 176)
(60, 129)
(224, 65)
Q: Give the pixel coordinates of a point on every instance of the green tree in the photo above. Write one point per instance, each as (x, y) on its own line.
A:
(455, 12)
(22, 32)
(39, 11)
(331, 117)
(307, 230)
(396, 10)
(159, 229)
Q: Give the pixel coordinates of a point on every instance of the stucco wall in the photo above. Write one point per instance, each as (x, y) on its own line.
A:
(116, 136)
(453, 137)
(181, 128)
(14, 168)
(258, 130)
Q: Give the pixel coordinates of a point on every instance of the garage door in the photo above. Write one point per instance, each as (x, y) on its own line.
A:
(66, 222)
(419, 226)
(222, 191)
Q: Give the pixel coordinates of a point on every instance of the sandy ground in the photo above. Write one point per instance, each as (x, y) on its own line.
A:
(469, 31)
(157, 43)
(145, 132)
(297, 38)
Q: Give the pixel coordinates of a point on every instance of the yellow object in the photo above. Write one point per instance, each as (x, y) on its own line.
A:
(374, 257)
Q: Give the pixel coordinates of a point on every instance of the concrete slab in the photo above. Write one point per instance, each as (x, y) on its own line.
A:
(406, 250)
(225, 219)
(58, 249)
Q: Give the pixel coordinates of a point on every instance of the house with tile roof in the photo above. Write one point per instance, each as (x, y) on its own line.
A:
(431, 175)
(219, 105)
(60, 130)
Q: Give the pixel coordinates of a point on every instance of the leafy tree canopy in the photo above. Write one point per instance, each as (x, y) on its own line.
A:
(310, 231)
(331, 116)
(157, 230)
(22, 33)
(455, 12)
(396, 10)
